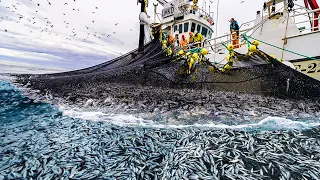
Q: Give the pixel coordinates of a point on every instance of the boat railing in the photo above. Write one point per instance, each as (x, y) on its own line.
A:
(310, 14)
(188, 9)
(215, 44)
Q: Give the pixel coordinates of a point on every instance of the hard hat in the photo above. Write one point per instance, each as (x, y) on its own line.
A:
(204, 51)
(164, 42)
(272, 55)
(181, 52)
(222, 70)
(253, 48)
(188, 54)
(230, 47)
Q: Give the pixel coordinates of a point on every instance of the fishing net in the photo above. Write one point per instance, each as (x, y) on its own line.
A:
(256, 72)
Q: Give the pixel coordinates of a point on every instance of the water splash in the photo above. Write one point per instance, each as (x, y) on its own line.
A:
(267, 124)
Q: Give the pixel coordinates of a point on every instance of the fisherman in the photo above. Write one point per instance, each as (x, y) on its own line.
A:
(234, 29)
(198, 39)
(194, 7)
(170, 40)
(184, 43)
(191, 39)
(176, 41)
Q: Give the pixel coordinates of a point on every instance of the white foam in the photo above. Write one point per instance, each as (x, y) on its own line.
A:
(267, 124)
(118, 119)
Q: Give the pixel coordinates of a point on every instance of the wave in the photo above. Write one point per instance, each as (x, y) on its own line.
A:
(268, 124)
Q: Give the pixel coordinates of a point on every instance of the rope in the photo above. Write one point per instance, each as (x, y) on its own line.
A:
(247, 40)
(281, 48)
(285, 36)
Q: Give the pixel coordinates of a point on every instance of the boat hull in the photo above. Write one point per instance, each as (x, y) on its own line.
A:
(308, 67)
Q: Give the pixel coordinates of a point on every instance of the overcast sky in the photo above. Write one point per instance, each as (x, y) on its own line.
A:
(73, 34)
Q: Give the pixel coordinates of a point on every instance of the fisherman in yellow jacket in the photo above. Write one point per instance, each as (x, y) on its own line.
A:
(198, 39)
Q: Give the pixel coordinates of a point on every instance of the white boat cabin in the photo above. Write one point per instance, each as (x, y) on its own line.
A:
(178, 17)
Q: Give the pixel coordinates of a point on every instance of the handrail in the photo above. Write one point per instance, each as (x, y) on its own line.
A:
(315, 10)
(218, 44)
(199, 11)
(308, 20)
(246, 23)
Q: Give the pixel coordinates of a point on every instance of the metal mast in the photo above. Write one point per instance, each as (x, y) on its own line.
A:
(142, 34)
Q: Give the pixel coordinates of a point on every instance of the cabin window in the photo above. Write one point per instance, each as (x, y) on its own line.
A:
(175, 28)
(198, 27)
(186, 27)
(193, 27)
(180, 28)
(204, 31)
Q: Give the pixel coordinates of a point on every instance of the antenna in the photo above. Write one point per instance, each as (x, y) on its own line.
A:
(155, 11)
(205, 6)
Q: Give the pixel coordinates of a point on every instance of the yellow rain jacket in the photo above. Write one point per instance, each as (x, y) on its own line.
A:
(198, 38)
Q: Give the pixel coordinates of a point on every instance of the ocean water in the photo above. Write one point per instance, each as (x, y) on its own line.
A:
(40, 140)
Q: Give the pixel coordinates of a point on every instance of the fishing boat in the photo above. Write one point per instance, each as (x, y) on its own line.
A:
(289, 32)
(267, 60)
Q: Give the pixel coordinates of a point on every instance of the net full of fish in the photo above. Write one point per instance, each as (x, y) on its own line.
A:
(38, 142)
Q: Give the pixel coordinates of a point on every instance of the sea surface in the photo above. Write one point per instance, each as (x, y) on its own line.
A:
(45, 140)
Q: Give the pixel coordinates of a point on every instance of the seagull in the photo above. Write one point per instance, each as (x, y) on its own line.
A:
(116, 24)
(242, 2)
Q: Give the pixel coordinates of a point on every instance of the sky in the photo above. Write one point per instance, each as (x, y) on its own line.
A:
(74, 34)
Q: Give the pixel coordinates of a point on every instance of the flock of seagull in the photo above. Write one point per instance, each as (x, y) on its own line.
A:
(34, 24)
